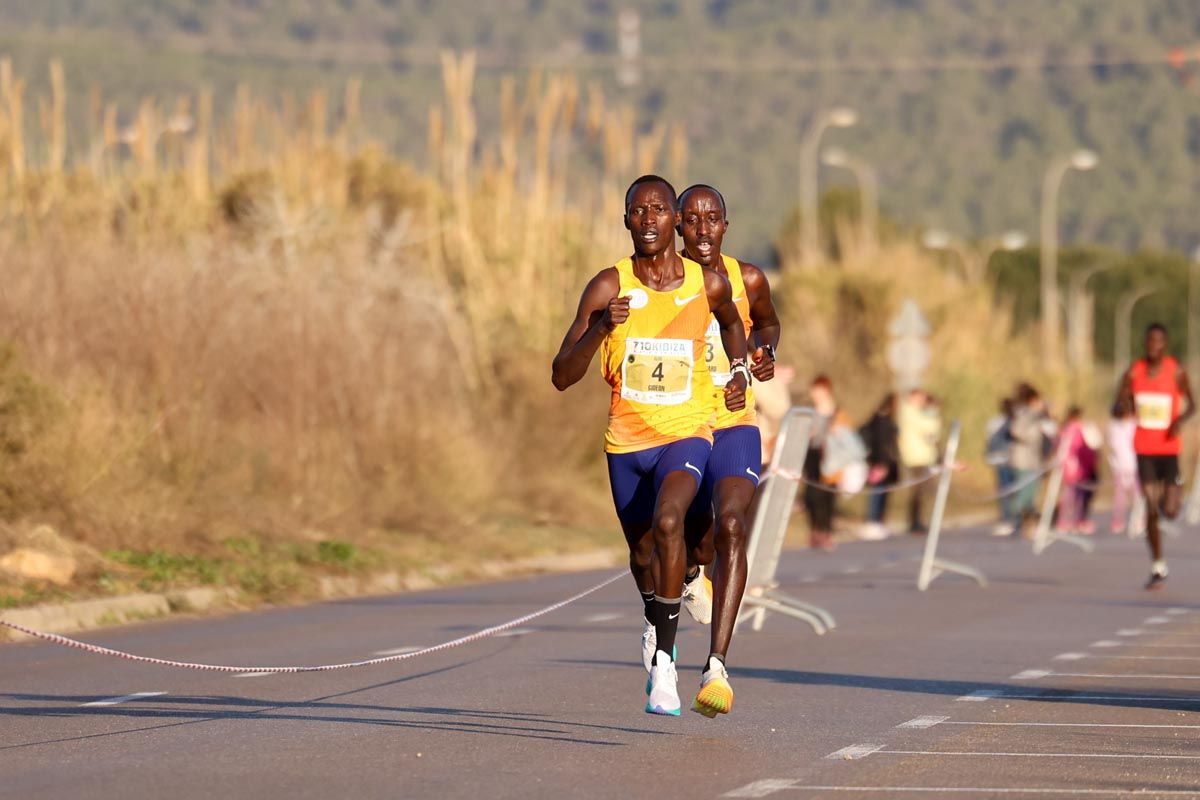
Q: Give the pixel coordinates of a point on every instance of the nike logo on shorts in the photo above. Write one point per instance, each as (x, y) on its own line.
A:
(673, 616)
(693, 468)
(683, 301)
(752, 473)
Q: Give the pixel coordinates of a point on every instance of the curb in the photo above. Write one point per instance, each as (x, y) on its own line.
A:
(111, 611)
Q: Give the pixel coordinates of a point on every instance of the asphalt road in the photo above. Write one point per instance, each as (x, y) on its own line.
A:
(1062, 678)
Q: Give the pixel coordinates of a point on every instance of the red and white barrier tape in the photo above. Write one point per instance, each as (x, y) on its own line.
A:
(474, 637)
(867, 490)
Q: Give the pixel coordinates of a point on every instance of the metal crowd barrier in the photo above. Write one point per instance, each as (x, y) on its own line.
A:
(767, 532)
(931, 565)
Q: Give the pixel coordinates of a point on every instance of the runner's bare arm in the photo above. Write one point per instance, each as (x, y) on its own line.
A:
(766, 321)
(1185, 389)
(600, 312)
(733, 334)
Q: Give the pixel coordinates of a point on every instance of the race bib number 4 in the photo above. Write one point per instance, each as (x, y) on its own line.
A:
(714, 355)
(657, 371)
(1153, 410)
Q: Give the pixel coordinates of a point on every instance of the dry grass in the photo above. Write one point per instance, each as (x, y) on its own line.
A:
(260, 324)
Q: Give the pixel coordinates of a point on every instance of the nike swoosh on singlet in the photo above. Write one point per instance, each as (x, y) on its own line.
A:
(739, 299)
(683, 301)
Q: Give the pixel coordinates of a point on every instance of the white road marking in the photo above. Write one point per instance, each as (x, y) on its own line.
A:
(1147, 658)
(1134, 698)
(920, 723)
(1105, 643)
(1130, 632)
(1142, 644)
(762, 788)
(1070, 725)
(808, 579)
(1126, 677)
(112, 701)
(855, 752)
(517, 632)
(1151, 756)
(398, 651)
(1156, 620)
(1070, 656)
(1177, 611)
(605, 617)
(253, 674)
(853, 569)
(979, 695)
(771, 785)
(1030, 675)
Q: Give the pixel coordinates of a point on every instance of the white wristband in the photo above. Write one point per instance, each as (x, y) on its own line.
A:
(742, 369)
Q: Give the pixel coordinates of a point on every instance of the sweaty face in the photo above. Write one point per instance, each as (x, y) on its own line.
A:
(703, 226)
(1156, 344)
(651, 219)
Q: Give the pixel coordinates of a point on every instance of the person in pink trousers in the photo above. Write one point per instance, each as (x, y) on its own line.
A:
(1122, 460)
(1079, 470)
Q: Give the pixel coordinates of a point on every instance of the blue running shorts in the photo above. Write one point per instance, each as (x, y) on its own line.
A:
(636, 477)
(736, 453)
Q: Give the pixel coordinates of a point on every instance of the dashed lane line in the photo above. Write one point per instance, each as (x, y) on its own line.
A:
(125, 698)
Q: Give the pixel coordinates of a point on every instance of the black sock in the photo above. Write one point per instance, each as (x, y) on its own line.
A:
(692, 574)
(666, 622)
(648, 605)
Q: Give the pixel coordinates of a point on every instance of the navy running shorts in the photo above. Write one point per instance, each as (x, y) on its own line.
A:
(637, 477)
(736, 453)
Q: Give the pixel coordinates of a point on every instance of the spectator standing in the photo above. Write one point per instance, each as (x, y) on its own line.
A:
(820, 489)
(999, 456)
(1032, 430)
(881, 435)
(1079, 470)
(1122, 461)
(920, 429)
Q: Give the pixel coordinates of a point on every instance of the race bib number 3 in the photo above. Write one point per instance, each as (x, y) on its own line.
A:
(714, 355)
(1153, 410)
(657, 371)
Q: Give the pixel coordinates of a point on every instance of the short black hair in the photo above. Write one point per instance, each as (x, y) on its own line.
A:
(1156, 326)
(704, 186)
(651, 179)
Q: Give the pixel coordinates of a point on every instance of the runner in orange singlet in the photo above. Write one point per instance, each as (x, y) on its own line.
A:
(648, 315)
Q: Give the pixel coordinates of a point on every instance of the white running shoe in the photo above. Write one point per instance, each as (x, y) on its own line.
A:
(697, 598)
(649, 644)
(664, 695)
(715, 695)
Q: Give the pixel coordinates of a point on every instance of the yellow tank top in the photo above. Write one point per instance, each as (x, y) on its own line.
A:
(654, 361)
(714, 352)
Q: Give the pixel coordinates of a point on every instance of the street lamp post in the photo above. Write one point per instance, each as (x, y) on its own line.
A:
(974, 264)
(1123, 325)
(868, 190)
(1080, 160)
(810, 246)
(1080, 313)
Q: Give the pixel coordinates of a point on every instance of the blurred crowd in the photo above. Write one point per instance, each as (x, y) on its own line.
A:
(897, 451)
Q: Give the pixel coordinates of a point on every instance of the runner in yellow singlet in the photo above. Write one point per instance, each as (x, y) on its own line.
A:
(648, 316)
(717, 518)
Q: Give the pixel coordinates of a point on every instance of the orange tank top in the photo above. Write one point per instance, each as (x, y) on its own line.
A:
(654, 362)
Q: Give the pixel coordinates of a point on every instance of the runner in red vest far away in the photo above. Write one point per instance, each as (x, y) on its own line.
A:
(1156, 387)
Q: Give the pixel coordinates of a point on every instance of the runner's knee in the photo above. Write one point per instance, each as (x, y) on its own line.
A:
(731, 532)
(668, 526)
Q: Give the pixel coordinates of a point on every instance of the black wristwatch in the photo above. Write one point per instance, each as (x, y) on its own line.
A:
(770, 351)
